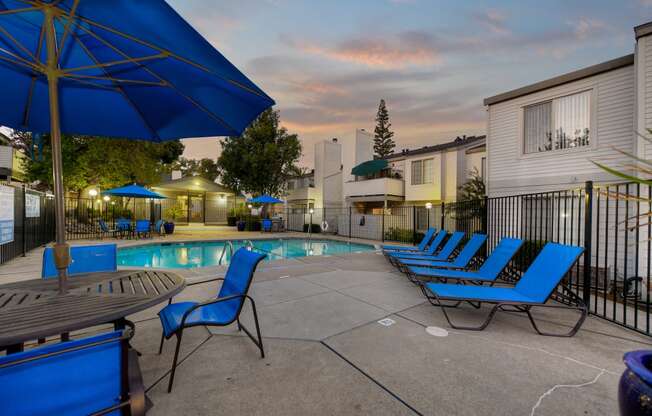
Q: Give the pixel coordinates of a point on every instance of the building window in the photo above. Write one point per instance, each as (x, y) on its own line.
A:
(562, 123)
(422, 171)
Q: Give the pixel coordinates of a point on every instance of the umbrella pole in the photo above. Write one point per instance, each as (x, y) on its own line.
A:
(61, 248)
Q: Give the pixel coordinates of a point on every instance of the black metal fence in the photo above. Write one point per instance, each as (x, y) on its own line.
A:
(33, 223)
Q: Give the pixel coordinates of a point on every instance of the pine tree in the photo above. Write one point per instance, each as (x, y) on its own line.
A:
(383, 143)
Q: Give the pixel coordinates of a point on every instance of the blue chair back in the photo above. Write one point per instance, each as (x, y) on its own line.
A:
(122, 224)
(500, 257)
(436, 242)
(547, 270)
(142, 226)
(85, 259)
(452, 242)
(103, 226)
(237, 281)
(267, 225)
(74, 378)
(470, 249)
(426, 238)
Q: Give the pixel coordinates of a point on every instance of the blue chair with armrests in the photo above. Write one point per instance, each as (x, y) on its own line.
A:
(220, 311)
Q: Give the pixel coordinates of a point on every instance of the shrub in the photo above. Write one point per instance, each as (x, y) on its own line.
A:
(316, 228)
(252, 223)
(404, 235)
(231, 221)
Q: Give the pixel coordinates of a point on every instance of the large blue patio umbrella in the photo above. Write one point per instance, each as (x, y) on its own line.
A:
(119, 68)
(133, 191)
(265, 199)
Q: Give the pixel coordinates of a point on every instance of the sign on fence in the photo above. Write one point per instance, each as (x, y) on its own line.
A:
(32, 206)
(6, 214)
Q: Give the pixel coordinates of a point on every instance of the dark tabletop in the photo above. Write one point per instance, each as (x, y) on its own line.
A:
(34, 309)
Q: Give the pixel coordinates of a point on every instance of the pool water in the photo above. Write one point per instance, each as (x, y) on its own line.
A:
(213, 253)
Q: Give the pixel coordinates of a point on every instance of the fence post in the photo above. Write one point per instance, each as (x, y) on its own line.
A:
(414, 224)
(350, 219)
(382, 229)
(485, 215)
(588, 236)
(443, 215)
(24, 220)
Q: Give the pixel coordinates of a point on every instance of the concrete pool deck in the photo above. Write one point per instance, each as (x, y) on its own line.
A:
(347, 335)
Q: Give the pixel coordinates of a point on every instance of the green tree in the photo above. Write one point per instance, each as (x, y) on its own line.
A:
(383, 143)
(262, 159)
(206, 168)
(472, 189)
(104, 162)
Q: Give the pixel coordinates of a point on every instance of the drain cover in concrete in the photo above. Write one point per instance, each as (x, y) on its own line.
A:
(387, 322)
(436, 331)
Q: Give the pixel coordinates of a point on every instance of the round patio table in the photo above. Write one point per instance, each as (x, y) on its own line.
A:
(34, 309)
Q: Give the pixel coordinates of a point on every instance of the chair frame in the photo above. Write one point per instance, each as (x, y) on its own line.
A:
(566, 295)
(179, 332)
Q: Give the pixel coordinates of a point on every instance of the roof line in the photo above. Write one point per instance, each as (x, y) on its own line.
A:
(459, 142)
(563, 79)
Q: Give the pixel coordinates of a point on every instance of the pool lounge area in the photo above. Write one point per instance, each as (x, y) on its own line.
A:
(349, 334)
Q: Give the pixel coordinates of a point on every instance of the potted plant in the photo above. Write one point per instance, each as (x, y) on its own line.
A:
(635, 388)
(173, 212)
(241, 225)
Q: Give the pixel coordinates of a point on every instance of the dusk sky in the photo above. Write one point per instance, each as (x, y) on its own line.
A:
(328, 63)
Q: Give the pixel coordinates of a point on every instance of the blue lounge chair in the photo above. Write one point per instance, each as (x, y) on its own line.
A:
(123, 226)
(534, 289)
(221, 311)
(143, 229)
(85, 259)
(461, 261)
(451, 244)
(421, 247)
(267, 225)
(95, 375)
(432, 248)
(492, 267)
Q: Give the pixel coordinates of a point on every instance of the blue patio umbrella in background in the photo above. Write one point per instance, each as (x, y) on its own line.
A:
(119, 68)
(133, 191)
(265, 199)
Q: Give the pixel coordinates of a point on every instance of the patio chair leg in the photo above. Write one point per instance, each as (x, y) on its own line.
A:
(436, 301)
(573, 331)
(174, 362)
(259, 340)
(160, 347)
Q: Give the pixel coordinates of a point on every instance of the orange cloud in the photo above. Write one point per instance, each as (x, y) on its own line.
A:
(404, 49)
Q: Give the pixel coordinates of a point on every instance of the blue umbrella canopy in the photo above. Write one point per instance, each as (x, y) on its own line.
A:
(265, 199)
(129, 69)
(119, 68)
(133, 191)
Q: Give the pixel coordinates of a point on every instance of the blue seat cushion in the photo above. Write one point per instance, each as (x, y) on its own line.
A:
(478, 293)
(451, 274)
(426, 262)
(221, 313)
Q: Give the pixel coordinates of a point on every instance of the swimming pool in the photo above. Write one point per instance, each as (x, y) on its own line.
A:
(213, 253)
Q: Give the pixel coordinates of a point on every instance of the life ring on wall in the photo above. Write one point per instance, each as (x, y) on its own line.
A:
(324, 225)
